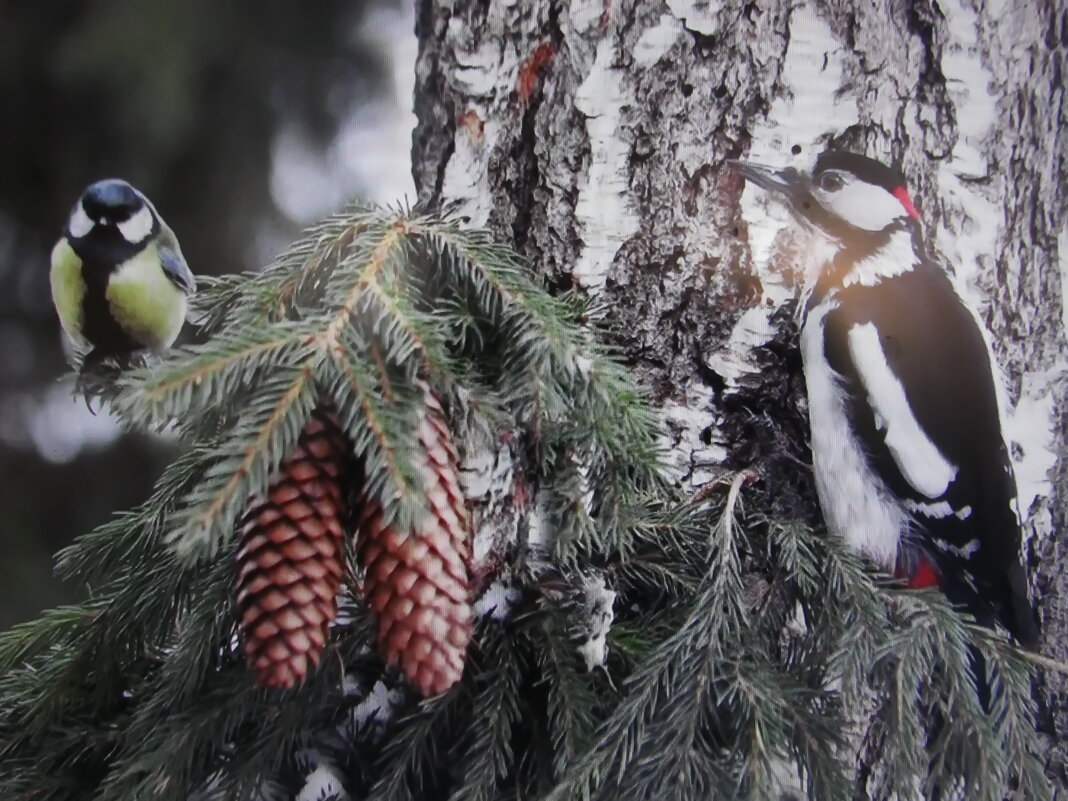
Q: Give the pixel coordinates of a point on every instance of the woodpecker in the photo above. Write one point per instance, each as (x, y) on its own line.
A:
(908, 449)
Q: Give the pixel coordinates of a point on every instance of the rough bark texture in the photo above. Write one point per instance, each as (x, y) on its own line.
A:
(592, 134)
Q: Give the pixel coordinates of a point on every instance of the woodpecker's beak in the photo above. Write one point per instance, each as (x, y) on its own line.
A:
(788, 183)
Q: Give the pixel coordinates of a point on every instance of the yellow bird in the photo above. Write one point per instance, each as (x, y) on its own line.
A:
(119, 280)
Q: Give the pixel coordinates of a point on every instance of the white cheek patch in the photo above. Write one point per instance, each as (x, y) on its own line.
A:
(918, 459)
(862, 205)
(79, 224)
(137, 228)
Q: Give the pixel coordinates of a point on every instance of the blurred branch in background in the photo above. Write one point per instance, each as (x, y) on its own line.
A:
(241, 120)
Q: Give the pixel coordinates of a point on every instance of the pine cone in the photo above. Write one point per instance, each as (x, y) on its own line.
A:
(292, 554)
(416, 583)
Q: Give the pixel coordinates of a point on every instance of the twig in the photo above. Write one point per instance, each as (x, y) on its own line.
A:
(1044, 662)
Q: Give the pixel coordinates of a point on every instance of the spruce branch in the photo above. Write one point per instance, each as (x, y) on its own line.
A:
(488, 755)
(267, 430)
(744, 651)
(196, 379)
(572, 699)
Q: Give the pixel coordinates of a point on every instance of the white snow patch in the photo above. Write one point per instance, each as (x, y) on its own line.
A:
(696, 14)
(350, 684)
(539, 534)
(657, 40)
(1032, 427)
(496, 601)
(599, 601)
(1062, 257)
(602, 211)
(378, 706)
(323, 782)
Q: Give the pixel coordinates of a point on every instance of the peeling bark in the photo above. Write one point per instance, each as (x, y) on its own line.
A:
(592, 135)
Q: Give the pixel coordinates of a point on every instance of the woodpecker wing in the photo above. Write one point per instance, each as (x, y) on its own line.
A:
(921, 398)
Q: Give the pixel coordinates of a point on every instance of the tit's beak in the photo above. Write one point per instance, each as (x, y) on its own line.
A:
(788, 183)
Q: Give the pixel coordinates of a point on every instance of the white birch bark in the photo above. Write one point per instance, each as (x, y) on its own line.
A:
(592, 134)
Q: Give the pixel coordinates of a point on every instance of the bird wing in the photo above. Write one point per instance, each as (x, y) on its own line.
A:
(173, 262)
(68, 288)
(921, 396)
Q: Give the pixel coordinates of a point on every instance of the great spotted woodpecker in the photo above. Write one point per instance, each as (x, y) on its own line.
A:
(909, 456)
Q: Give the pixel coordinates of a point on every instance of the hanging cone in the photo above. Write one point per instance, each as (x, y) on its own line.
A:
(416, 583)
(292, 554)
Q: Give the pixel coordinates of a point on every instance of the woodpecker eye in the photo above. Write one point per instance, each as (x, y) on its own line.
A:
(831, 182)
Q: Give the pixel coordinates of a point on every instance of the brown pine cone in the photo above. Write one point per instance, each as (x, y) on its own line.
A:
(416, 583)
(292, 555)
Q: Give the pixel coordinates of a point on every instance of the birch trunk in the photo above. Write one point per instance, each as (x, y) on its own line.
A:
(592, 135)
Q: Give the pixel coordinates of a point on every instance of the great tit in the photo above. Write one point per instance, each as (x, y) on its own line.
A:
(119, 280)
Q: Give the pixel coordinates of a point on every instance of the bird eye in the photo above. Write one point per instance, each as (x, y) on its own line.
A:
(831, 182)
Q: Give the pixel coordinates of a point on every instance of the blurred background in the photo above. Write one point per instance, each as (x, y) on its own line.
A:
(241, 121)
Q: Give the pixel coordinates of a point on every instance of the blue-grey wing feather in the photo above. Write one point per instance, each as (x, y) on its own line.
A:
(177, 270)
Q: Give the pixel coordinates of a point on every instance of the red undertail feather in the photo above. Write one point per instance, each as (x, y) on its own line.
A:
(918, 576)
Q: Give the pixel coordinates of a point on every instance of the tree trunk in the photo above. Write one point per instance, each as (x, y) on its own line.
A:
(592, 135)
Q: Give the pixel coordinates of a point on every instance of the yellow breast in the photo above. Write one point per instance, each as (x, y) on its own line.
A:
(145, 302)
(68, 289)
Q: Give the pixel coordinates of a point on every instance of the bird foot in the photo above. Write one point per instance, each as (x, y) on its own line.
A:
(98, 374)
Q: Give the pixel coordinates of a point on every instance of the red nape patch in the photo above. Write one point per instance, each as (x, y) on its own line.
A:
(902, 194)
(923, 575)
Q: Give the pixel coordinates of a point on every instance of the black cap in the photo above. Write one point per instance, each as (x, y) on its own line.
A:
(868, 170)
(112, 198)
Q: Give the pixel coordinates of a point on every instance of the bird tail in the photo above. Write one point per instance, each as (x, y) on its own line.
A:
(1019, 617)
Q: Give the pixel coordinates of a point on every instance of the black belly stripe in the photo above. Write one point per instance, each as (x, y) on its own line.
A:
(99, 325)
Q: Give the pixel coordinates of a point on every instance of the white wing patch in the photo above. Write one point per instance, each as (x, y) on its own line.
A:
(965, 551)
(918, 459)
(79, 224)
(137, 228)
(938, 510)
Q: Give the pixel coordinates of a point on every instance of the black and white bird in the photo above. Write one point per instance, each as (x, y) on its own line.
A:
(908, 449)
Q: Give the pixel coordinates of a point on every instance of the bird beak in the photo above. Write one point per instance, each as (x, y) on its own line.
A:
(788, 182)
